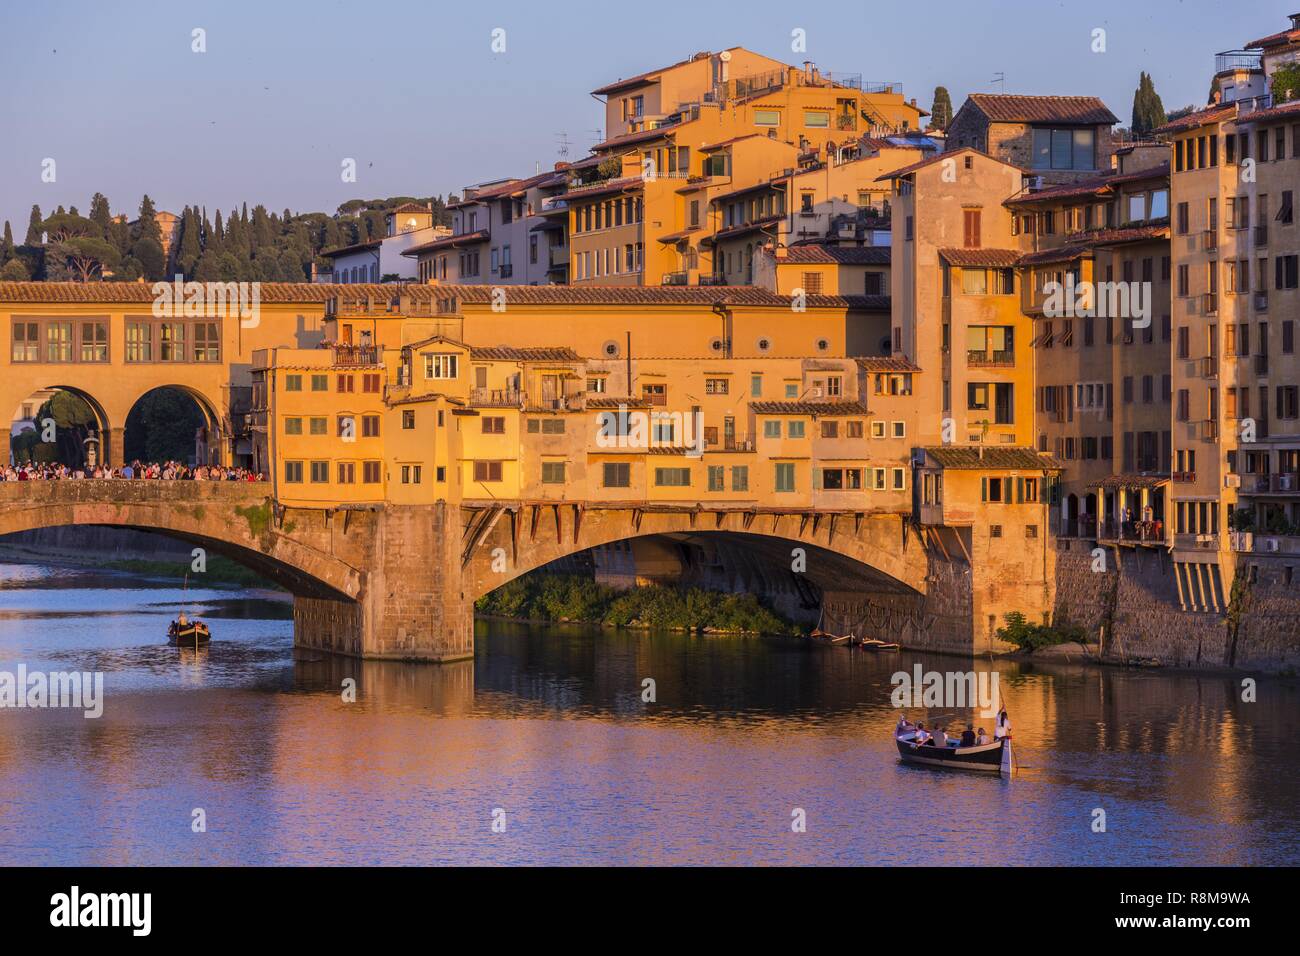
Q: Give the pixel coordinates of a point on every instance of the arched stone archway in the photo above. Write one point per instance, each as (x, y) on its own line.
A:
(101, 430)
(208, 445)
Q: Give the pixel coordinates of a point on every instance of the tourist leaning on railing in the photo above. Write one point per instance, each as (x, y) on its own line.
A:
(135, 471)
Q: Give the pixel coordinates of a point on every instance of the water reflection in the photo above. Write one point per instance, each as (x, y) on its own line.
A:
(550, 725)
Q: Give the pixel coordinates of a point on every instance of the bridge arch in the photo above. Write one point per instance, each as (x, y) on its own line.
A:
(102, 424)
(876, 552)
(234, 519)
(206, 446)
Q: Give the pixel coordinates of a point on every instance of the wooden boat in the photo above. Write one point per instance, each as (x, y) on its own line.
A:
(871, 644)
(825, 637)
(184, 633)
(989, 758)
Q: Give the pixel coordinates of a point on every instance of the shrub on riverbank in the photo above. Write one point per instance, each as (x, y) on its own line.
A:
(552, 597)
(1028, 636)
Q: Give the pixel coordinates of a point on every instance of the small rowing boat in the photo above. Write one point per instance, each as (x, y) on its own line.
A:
(990, 758)
(186, 633)
(871, 644)
(825, 637)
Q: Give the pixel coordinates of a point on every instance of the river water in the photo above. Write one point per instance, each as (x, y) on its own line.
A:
(546, 735)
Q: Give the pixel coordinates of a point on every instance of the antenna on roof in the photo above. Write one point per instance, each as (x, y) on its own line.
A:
(1001, 80)
(562, 145)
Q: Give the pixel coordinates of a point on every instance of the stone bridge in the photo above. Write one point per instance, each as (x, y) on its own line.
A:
(400, 581)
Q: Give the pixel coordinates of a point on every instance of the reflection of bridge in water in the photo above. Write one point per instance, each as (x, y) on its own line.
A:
(400, 581)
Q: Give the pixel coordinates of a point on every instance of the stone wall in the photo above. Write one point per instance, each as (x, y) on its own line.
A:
(1136, 599)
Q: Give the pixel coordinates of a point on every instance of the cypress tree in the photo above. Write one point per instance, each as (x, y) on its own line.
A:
(941, 110)
(34, 227)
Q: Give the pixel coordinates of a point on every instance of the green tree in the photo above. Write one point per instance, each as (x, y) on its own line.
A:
(64, 226)
(941, 110)
(188, 249)
(34, 227)
(14, 271)
(83, 257)
(146, 227)
(1148, 110)
(1286, 83)
(148, 252)
(101, 215)
(7, 244)
(161, 427)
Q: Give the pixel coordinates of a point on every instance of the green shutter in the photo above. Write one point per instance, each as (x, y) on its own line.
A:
(984, 489)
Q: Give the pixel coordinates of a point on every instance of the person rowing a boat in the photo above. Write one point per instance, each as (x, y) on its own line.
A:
(922, 735)
(904, 726)
(1002, 726)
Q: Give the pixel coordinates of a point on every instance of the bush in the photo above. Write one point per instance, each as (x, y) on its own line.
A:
(550, 597)
(1028, 636)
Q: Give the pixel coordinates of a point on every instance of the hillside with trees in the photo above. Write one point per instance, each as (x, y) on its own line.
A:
(242, 246)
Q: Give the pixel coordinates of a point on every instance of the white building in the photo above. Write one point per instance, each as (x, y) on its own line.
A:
(378, 260)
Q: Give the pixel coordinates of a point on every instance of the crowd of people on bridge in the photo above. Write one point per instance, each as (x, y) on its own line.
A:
(136, 470)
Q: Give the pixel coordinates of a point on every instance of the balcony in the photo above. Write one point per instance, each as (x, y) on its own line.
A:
(1197, 542)
(1208, 429)
(1209, 303)
(1261, 235)
(356, 356)
(676, 278)
(1209, 367)
(1236, 60)
(1183, 476)
(1255, 542)
(496, 397)
(1210, 239)
(1133, 532)
(572, 402)
(1283, 483)
(730, 444)
(991, 358)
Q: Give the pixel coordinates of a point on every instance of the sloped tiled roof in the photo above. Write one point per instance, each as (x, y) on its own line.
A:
(140, 293)
(999, 258)
(1274, 39)
(505, 353)
(1059, 254)
(1004, 458)
(940, 157)
(355, 247)
(816, 409)
(1014, 108)
(1211, 114)
(448, 242)
(886, 363)
(410, 207)
(842, 255)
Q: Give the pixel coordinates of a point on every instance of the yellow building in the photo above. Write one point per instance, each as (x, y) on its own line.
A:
(680, 137)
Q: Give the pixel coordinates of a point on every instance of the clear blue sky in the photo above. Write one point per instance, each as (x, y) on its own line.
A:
(413, 91)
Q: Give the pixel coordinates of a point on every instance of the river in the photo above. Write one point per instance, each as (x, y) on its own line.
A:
(545, 734)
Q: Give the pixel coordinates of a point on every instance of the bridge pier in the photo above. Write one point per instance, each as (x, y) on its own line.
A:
(413, 605)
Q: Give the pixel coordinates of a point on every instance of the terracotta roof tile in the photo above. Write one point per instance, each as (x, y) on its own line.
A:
(996, 458)
(1014, 108)
(1001, 258)
(355, 247)
(1211, 114)
(940, 157)
(815, 409)
(505, 353)
(886, 363)
(449, 242)
(1059, 254)
(616, 185)
(140, 293)
(1274, 39)
(843, 255)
